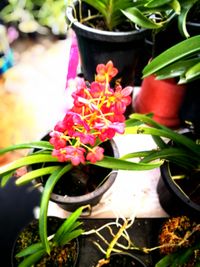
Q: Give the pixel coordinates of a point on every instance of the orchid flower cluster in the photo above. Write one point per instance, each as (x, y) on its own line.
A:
(96, 116)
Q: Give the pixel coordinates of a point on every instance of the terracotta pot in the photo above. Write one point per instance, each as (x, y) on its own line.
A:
(163, 98)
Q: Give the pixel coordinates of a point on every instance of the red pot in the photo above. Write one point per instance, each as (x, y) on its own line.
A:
(161, 97)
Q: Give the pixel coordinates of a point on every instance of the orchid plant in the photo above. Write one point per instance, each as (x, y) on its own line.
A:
(95, 117)
(107, 10)
(69, 230)
(154, 14)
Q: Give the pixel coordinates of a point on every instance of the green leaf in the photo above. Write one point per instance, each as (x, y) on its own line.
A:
(182, 22)
(27, 160)
(68, 224)
(176, 69)
(136, 16)
(183, 257)
(132, 155)
(49, 186)
(193, 72)
(67, 237)
(119, 164)
(169, 152)
(176, 6)
(135, 121)
(161, 131)
(157, 3)
(146, 119)
(178, 138)
(110, 10)
(6, 178)
(186, 5)
(32, 259)
(183, 79)
(159, 142)
(36, 145)
(177, 52)
(166, 261)
(32, 249)
(29, 176)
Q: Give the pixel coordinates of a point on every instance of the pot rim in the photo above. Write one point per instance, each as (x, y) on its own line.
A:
(101, 35)
(174, 187)
(97, 192)
(135, 257)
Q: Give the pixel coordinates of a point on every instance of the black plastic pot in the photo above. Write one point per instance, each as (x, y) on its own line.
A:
(172, 198)
(167, 37)
(125, 260)
(105, 176)
(29, 235)
(98, 46)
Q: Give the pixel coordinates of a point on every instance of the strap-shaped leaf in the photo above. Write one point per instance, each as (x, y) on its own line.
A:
(27, 160)
(179, 258)
(157, 3)
(175, 6)
(176, 155)
(159, 142)
(67, 237)
(182, 22)
(113, 163)
(5, 179)
(166, 261)
(68, 225)
(32, 249)
(183, 258)
(178, 138)
(193, 72)
(133, 155)
(51, 182)
(136, 16)
(161, 131)
(37, 145)
(177, 52)
(32, 259)
(176, 69)
(147, 119)
(170, 153)
(186, 5)
(135, 121)
(29, 176)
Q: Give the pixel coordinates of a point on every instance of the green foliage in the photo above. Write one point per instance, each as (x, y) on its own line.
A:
(181, 60)
(51, 182)
(181, 257)
(36, 145)
(155, 14)
(45, 164)
(185, 152)
(110, 10)
(121, 164)
(152, 14)
(186, 6)
(69, 230)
